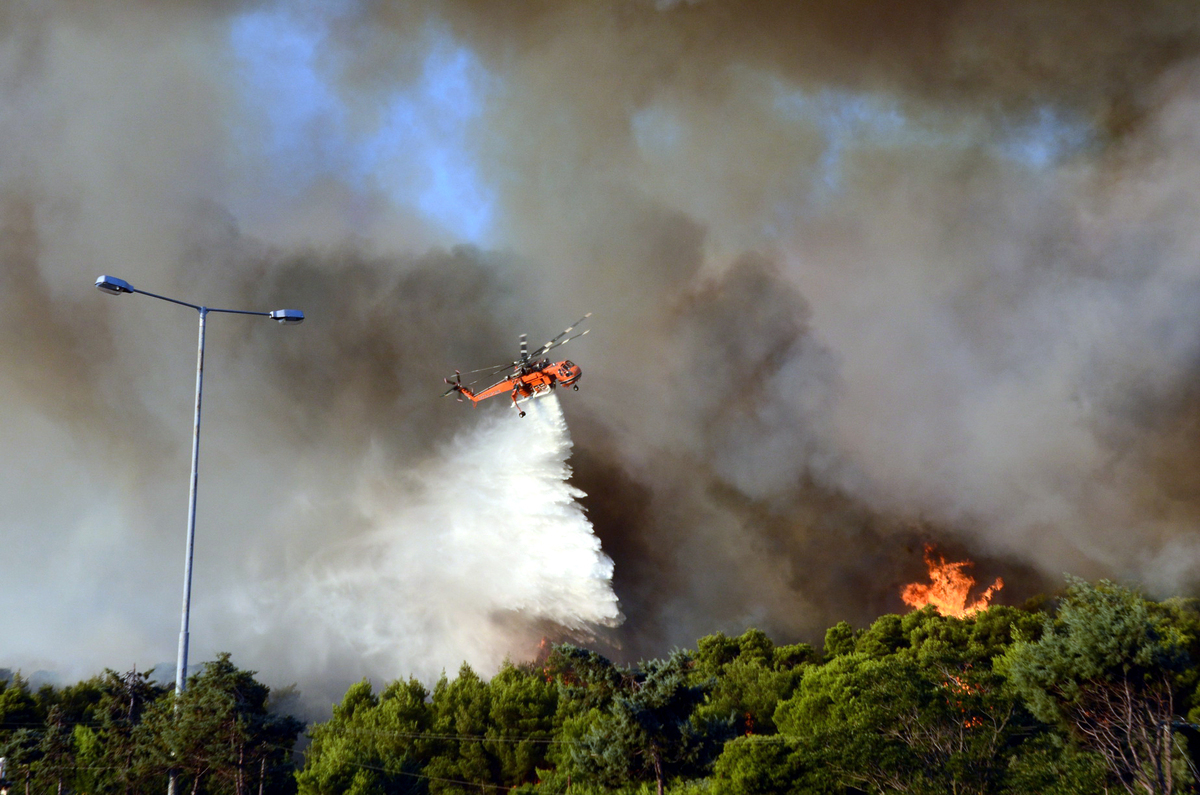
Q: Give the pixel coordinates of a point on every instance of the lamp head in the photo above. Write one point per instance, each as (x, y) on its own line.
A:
(288, 316)
(113, 285)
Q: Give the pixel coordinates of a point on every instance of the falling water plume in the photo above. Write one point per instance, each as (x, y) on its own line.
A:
(471, 556)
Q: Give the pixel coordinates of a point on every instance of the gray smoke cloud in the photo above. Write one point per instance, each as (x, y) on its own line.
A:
(862, 279)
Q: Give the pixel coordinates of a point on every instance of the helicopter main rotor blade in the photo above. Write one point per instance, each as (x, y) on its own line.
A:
(564, 342)
(487, 378)
(495, 368)
(524, 348)
(555, 342)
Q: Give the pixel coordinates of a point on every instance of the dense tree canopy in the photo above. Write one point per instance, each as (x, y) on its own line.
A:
(1099, 693)
(121, 733)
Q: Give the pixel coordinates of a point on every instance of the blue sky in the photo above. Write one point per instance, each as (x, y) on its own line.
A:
(1038, 141)
(420, 151)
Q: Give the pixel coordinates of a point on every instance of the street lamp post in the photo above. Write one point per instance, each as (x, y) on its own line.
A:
(115, 286)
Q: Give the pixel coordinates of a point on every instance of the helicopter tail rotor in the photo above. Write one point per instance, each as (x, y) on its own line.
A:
(455, 386)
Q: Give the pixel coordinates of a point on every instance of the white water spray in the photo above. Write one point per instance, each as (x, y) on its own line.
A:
(469, 557)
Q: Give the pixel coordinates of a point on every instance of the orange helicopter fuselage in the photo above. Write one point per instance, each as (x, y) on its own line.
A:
(531, 375)
(539, 378)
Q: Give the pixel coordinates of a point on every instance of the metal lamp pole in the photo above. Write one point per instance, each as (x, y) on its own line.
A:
(115, 286)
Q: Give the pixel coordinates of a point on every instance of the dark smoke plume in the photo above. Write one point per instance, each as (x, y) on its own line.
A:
(863, 278)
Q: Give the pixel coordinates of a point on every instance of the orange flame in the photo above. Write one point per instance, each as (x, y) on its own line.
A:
(960, 689)
(949, 588)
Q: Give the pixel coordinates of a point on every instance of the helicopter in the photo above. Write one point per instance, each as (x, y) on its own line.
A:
(532, 374)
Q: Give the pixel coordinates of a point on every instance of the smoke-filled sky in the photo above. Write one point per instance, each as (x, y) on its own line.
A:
(864, 276)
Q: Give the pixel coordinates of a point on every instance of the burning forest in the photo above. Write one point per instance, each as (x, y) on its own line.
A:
(949, 588)
(1003, 700)
(863, 278)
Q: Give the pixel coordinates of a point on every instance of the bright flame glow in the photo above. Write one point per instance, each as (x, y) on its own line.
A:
(949, 588)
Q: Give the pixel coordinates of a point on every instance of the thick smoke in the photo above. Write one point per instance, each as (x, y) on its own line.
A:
(862, 278)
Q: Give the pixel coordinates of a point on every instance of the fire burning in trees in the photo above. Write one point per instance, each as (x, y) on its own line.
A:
(949, 588)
